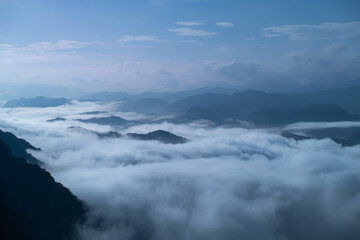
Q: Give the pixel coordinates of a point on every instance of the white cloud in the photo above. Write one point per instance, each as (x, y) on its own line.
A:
(189, 23)
(226, 183)
(313, 32)
(3, 45)
(191, 32)
(141, 38)
(196, 42)
(59, 45)
(224, 24)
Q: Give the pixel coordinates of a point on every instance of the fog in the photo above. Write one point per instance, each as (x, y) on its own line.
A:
(224, 183)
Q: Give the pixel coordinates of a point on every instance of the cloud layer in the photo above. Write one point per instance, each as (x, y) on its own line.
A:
(315, 32)
(223, 184)
(191, 32)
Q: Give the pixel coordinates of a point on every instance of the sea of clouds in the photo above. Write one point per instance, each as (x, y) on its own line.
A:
(224, 183)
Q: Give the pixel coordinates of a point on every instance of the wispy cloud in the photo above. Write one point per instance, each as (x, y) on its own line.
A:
(141, 38)
(314, 32)
(190, 23)
(224, 24)
(191, 32)
(4, 45)
(196, 42)
(59, 45)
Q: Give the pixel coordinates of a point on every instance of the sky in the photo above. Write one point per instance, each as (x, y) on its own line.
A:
(164, 45)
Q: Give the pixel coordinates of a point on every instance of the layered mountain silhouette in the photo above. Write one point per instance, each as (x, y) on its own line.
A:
(32, 205)
(168, 96)
(223, 106)
(40, 102)
(260, 108)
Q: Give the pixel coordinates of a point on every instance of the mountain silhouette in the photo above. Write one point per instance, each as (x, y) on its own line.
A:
(159, 135)
(112, 121)
(58, 119)
(348, 98)
(19, 146)
(40, 102)
(32, 205)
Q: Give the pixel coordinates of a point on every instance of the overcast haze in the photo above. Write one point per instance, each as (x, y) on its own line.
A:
(163, 45)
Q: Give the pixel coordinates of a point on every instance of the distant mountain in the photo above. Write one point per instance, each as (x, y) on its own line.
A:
(219, 107)
(168, 96)
(143, 105)
(291, 114)
(351, 141)
(58, 119)
(93, 112)
(199, 113)
(239, 104)
(40, 102)
(159, 135)
(100, 96)
(112, 121)
(13, 90)
(294, 136)
(109, 134)
(19, 146)
(332, 132)
(260, 108)
(202, 100)
(32, 205)
(348, 98)
(173, 96)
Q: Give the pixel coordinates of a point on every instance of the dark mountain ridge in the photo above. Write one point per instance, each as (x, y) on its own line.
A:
(32, 205)
(19, 147)
(159, 135)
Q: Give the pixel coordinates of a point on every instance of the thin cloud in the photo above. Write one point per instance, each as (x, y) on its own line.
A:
(189, 23)
(224, 24)
(59, 45)
(141, 38)
(315, 32)
(191, 32)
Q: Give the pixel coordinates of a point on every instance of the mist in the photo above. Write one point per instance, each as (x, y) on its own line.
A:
(224, 183)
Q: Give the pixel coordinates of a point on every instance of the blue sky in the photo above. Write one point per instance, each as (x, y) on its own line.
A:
(164, 45)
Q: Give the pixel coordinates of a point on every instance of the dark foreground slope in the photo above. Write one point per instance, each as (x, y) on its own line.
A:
(32, 205)
(19, 146)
